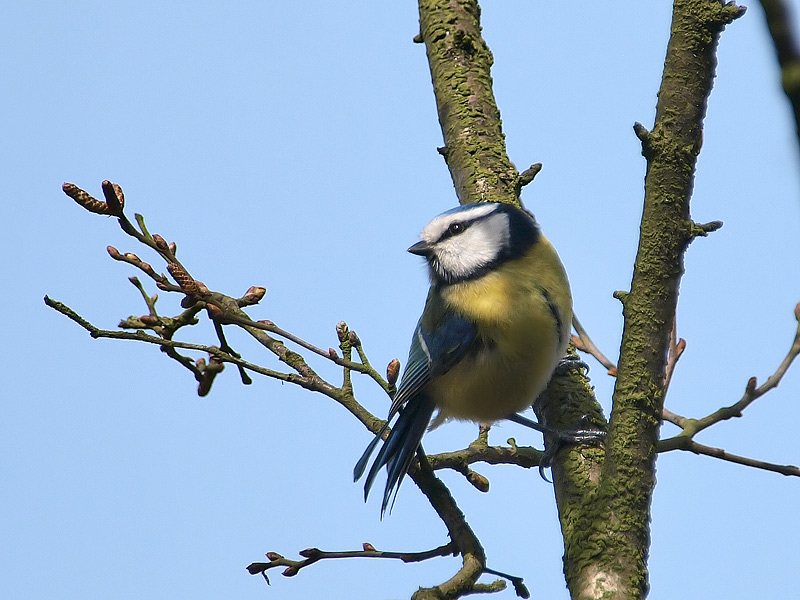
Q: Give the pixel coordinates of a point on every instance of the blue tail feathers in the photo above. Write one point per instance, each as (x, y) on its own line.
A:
(399, 448)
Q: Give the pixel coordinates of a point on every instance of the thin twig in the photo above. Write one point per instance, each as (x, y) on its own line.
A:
(674, 418)
(752, 392)
(675, 349)
(316, 385)
(312, 555)
(269, 326)
(689, 445)
(585, 344)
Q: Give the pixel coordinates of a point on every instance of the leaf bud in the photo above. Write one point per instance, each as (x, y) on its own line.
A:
(149, 320)
(161, 243)
(115, 199)
(253, 295)
(392, 371)
(341, 331)
(480, 482)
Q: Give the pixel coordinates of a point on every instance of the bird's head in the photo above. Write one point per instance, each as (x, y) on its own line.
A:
(471, 240)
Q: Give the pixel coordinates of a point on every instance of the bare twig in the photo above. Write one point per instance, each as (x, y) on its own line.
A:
(691, 427)
(674, 418)
(266, 325)
(675, 349)
(312, 555)
(752, 392)
(481, 451)
(585, 344)
(688, 444)
(314, 384)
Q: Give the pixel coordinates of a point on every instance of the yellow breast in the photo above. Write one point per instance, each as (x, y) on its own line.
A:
(523, 311)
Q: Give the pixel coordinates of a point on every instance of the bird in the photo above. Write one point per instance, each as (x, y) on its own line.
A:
(496, 323)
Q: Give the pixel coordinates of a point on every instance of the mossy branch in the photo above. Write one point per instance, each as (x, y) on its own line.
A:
(671, 150)
(460, 63)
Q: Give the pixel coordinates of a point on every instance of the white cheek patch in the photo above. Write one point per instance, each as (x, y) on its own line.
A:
(463, 255)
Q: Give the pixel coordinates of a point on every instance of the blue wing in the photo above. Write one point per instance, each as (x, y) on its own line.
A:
(441, 339)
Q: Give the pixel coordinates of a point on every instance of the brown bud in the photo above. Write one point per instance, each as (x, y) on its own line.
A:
(310, 552)
(204, 387)
(341, 331)
(253, 295)
(115, 199)
(120, 195)
(200, 363)
(332, 353)
(132, 257)
(392, 371)
(173, 247)
(680, 346)
(266, 322)
(161, 243)
(147, 268)
(209, 373)
(186, 302)
(134, 280)
(214, 311)
(291, 571)
(113, 252)
(353, 338)
(201, 287)
(368, 547)
(149, 320)
(480, 482)
(797, 311)
(751, 385)
(273, 556)
(85, 199)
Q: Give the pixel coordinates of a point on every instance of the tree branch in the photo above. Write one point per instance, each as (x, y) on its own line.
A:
(313, 555)
(779, 22)
(460, 63)
(671, 150)
(688, 444)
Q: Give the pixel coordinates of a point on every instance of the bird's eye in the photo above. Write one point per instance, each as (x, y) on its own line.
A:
(455, 228)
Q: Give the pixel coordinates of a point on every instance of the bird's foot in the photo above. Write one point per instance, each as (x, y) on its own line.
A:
(583, 433)
(571, 362)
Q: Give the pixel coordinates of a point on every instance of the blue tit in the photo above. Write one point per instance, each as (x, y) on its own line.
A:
(495, 325)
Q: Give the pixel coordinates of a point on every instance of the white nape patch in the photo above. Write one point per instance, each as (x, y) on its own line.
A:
(459, 256)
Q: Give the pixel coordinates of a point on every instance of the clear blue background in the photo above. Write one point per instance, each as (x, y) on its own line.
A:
(293, 145)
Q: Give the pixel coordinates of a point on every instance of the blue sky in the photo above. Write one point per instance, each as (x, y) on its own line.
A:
(293, 145)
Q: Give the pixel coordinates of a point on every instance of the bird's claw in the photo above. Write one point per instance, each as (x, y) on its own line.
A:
(582, 434)
(570, 362)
